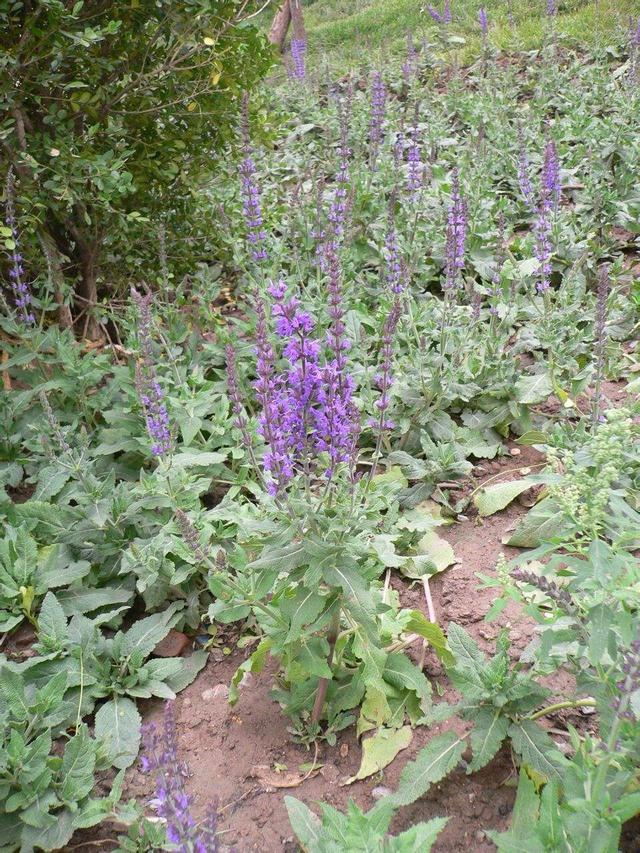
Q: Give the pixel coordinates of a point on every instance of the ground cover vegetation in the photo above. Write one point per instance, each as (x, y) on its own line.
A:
(258, 428)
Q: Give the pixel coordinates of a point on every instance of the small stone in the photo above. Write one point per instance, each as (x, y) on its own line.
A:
(380, 792)
(344, 750)
(479, 835)
(515, 451)
(220, 691)
(173, 645)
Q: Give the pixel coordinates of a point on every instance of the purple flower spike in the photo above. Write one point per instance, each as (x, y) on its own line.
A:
(172, 801)
(298, 50)
(394, 267)
(384, 379)
(456, 236)
(523, 170)
(552, 8)
(415, 171)
(484, 23)
(378, 108)
(551, 185)
(251, 207)
(20, 288)
(149, 391)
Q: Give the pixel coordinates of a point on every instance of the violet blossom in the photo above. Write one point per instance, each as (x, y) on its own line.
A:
(443, 17)
(20, 288)
(415, 170)
(149, 391)
(551, 185)
(484, 25)
(552, 8)
(171, 802)
(251, 207)
(549, 194)
(456, 235)
(298, 50)
(378, 108)
(523, 170)
(393, 262)
(384, 379)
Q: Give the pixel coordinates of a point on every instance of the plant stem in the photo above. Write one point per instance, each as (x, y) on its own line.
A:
(323, 684)
(576, 703)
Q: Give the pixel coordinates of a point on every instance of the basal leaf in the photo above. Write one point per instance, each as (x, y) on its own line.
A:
(118, 724)
(493, 498)
(438, 758)
(306, 825)
(380, 749)
(535, 748)
(78, 762)
(490, 730)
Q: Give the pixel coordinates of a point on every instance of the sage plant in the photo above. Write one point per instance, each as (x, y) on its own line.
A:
(377, 115)
(172, 803)
(251, 206)
(149, 390)
(21, 291)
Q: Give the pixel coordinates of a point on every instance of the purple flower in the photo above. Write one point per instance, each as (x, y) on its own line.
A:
(378, 108)
(415, 171)
(445, 17)
(628, 685)
(338, 208)
(172, 801)
(251, 207)
(523, 170)
(393, 262)
(149, 391)
(484, 23)
(298, 50)
(552, 8)
(456, 235)
(551, 186)
(384, 379)
(634, 52)
(20, 288)
(542, 232)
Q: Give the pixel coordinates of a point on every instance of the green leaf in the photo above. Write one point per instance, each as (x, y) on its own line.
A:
(194, 459)
(536, 749)
(541, 524)
(433, 763)
(50, 482)
(403, 674)
(145, 634)
(189, 669)
(52, 623)
(380, 749)
(306, 825)
(77, 767)
(55, 836)
(489, 731)
(419, 839)
(87, 600)
(118, 724)
(520, 836)
(433, 633)
(493, 498)
(254, 663)
(533, 389)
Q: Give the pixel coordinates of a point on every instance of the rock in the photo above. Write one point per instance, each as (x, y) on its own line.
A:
(173, 645)
(515, 451)
(380, 792)
(219, 691)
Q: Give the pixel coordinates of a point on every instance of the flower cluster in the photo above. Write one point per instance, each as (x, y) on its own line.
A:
(456, 235)
(384, 379)
(251, 207)
(394, 266)
(552, 8)
(147, 385)
(298, 50)
(443, 17)
(549, 195)
(415, 168)
(172, 803)
(378, 109)
(523, 170)
(20, 288)
(484, 25)
(307, 407)
(628, 685)
(561, 596)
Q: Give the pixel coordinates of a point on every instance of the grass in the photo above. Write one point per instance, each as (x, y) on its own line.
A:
(348, 34)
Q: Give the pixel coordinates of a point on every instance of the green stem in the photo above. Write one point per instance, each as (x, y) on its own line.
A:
(323, 683)
(559, 706)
